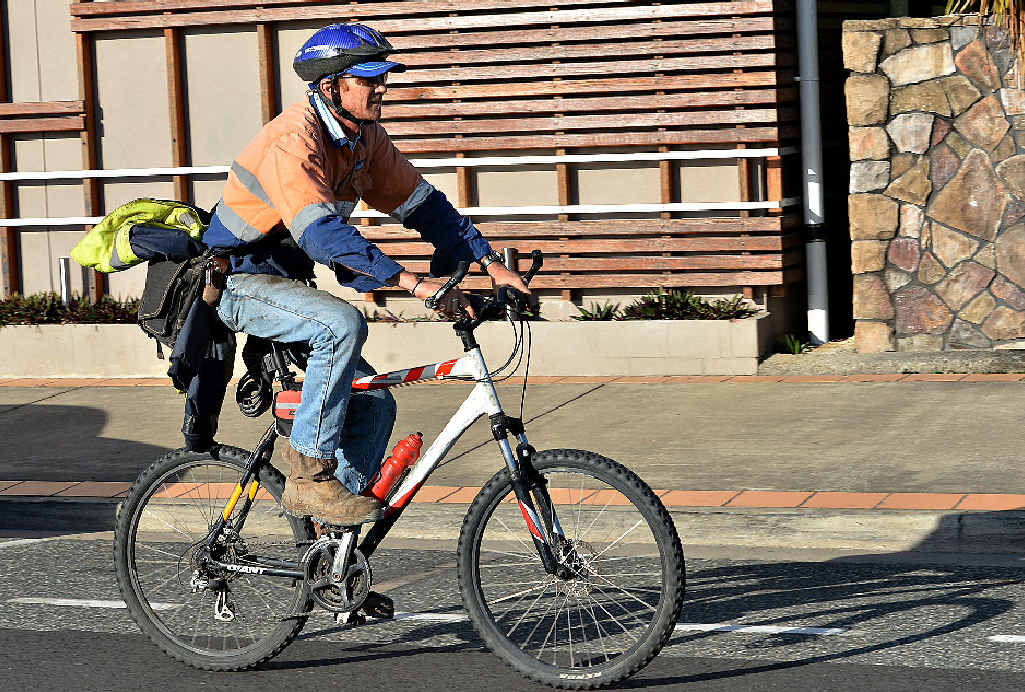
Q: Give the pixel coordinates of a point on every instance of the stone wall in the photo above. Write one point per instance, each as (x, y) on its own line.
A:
(937, 185)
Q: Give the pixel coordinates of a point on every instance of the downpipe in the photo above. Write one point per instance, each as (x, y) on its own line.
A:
(811, 160)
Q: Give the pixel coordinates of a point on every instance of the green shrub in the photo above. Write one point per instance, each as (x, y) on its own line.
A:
(794, 345)
(596, 312)
(677, 304)
(47, 308)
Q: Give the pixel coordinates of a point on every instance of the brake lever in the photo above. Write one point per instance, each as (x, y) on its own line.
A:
(458, 275)
(535, 266)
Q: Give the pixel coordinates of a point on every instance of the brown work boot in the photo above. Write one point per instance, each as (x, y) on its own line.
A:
(312, 489)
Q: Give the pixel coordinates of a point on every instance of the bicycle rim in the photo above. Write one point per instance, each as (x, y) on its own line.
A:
(169, 523)
(616, 604)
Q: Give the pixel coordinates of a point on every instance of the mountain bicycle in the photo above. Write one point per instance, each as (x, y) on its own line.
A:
(569, 566)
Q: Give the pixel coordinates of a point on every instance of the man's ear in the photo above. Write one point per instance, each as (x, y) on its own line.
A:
(324, 88)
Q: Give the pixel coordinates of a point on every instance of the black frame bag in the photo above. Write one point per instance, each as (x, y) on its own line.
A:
(170, 291)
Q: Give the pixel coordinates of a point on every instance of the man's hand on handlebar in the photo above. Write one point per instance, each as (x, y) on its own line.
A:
(424, 287)
(452, 305)
(503, 276)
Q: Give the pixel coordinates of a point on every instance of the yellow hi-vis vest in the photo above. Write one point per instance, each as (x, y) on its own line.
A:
(106, 247)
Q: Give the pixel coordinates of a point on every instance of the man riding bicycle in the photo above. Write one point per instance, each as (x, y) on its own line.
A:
(286, 204)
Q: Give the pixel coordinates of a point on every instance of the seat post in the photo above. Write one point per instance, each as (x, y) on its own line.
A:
(285, 375)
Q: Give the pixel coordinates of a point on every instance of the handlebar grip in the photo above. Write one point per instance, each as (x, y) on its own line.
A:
(458, 275)
(535, 266)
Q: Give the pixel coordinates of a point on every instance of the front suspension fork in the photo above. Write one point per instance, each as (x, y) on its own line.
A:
(531, 490)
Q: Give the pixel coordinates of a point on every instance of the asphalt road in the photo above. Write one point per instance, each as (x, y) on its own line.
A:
(877, 622)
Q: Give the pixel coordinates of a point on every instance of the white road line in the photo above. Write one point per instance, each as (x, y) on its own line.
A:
(86, 603)
(434, 617)
(456, 617)
(758, 629)
(1007, 639)
(27, 541)
(680, 627)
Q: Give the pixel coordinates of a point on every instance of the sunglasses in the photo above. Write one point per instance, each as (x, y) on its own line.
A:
(370, 82)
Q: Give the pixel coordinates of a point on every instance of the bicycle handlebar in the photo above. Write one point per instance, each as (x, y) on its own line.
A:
(502, 297)
(458, 275)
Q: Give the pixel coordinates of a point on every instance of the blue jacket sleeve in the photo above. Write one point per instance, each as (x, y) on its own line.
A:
(453, 235)
(331, 241)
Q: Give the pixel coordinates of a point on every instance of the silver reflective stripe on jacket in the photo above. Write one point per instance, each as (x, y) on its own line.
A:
(415, 199)
(236, 224)
(319, 210)
(115, 261)
(250, 182)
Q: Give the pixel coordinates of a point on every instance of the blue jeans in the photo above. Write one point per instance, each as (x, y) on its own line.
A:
(330, 421)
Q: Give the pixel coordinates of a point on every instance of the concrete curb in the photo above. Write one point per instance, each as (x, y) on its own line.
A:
(70, 382)
(861, 530)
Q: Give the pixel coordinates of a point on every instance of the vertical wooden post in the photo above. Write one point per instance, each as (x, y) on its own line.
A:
(667, 193)
(91, 191)
(774, 182)
(176, 111)
(10, 274)
(268, 72)
(562, 174)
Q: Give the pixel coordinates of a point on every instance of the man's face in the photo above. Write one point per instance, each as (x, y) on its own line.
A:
(362, 96)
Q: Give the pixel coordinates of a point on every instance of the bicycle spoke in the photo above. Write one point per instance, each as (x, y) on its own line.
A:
(624, 534)
(525, 591)
(156, 550)
(530, 607)
(542, 618)
(518, 539)
(258, 602)
(555, 622)
(580, 507)
(626, 592)
(611, 566)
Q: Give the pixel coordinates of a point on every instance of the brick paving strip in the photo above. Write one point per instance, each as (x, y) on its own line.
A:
(541, 379)
(728, 499)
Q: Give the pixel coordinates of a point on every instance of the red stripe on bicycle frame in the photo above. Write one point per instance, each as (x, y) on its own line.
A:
(401, 502)
(445, 368)
(530, 524)
(415, 374)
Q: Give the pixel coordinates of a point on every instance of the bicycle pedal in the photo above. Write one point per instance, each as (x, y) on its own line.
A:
(351, 618)
(328, 526)
(378, 606)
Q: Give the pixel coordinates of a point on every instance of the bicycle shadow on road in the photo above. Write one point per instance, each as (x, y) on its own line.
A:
(892, 600)
(930, 593)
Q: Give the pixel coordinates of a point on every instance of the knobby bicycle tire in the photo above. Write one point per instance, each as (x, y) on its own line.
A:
(663, 531)
(126, 526)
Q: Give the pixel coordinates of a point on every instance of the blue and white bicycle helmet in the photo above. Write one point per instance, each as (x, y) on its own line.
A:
(344, 49)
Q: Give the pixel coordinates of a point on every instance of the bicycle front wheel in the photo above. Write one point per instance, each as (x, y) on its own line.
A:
(214, 621)
(618, 594)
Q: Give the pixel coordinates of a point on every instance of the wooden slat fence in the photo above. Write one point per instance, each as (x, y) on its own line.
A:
(526, 76)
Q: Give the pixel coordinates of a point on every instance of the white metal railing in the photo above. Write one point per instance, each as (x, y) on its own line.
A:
(428, 163)
(480, 161)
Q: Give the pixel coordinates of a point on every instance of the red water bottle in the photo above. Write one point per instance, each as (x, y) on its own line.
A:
(395, 467)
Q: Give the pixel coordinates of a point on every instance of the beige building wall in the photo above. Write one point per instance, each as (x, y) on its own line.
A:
(43, 67)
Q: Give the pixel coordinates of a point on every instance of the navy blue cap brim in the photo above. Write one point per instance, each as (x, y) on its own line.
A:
(373, 69)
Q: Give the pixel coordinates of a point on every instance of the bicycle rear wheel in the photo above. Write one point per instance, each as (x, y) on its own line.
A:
(621, 588)
(160, 527)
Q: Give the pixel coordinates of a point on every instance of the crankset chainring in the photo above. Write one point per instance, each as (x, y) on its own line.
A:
(332, 594)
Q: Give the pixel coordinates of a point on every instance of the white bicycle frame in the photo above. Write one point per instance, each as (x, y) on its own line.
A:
(482, 400)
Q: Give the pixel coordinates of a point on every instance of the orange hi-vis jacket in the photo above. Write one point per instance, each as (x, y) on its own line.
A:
(303, 174)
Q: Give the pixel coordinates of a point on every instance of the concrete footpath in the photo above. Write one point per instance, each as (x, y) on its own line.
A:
(861, 463)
